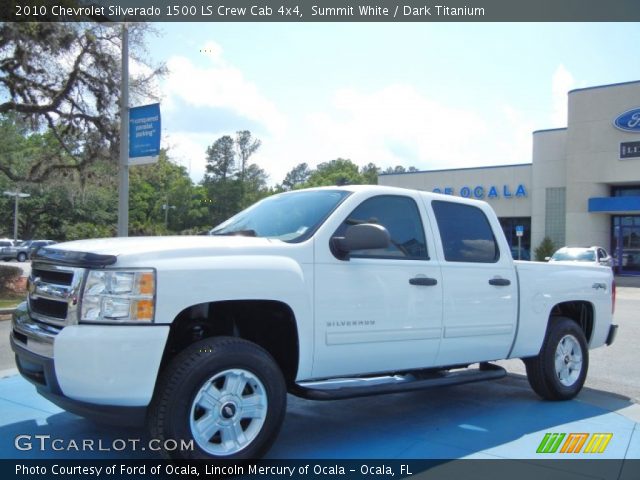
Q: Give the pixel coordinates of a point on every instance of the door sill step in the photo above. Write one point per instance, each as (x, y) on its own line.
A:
(342, 388)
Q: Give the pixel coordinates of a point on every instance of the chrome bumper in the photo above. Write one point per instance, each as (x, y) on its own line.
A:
(33, 336)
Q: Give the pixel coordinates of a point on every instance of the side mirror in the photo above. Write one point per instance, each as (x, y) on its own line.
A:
(365, 236)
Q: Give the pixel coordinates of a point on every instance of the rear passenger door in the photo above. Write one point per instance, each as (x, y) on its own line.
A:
(479, 286)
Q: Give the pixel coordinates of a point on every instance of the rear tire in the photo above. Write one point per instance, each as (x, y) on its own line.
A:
(560, 370)
(22, 257)
(225, 394)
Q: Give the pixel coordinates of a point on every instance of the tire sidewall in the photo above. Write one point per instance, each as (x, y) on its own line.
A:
(558, 331)
(213, 360)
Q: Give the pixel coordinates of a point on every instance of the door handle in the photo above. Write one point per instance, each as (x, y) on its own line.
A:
(423, 281)
(500, 282)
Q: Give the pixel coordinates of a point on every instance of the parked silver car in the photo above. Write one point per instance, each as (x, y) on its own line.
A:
(593, 255)
(23, 251)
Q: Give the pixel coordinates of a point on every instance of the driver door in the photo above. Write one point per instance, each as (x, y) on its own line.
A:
(379, 310)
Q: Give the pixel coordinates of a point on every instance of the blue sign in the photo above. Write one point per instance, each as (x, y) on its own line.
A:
(629, 121)
(519, 230)
(144, 134)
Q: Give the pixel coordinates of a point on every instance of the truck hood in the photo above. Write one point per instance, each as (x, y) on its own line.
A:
(172, 246)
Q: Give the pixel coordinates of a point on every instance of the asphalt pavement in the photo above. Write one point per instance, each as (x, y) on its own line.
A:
(501, 419)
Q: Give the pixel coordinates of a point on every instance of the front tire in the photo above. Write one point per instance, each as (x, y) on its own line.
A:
(560, 370)
(225, 394)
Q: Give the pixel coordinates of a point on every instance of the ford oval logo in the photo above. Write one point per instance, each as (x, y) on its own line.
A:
(629, 121)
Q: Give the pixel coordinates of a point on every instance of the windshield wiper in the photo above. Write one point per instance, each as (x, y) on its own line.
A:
(238, 233)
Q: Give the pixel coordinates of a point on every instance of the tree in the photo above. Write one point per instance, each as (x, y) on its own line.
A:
(545, 249)
(296, 177)
(220, 160)
(246, 146)
(64, 78)
(336, 172)
(231, 182)
(369, 174)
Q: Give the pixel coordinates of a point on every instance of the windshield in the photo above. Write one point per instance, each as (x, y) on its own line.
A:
(291, 217)
(578, 255)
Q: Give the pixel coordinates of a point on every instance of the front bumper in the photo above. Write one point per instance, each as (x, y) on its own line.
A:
(107, 372)
(40, 371)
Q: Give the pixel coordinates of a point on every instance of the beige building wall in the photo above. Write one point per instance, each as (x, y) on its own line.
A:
(548, 171)
(593, 163)
(510, 176)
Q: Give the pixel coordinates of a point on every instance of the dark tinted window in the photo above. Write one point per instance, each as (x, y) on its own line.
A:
(465, 233)
(400, 216)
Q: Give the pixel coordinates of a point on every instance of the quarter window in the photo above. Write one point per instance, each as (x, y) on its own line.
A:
(465, 233)
(401, 217)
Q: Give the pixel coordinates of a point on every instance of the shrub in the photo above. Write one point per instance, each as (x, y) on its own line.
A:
(9, 277)
(545, 249)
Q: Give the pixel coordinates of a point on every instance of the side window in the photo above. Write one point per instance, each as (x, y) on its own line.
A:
(400, 216)
(465, 233)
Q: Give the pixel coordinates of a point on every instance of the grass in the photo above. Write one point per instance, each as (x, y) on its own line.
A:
(10, 300)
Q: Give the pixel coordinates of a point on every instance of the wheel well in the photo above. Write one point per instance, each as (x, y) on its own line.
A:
(580, 312)
(267, 323)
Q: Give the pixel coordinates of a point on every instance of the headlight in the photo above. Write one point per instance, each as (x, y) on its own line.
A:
(119, 296)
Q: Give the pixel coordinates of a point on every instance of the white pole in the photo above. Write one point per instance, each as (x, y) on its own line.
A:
(17, 194)
(123, 184)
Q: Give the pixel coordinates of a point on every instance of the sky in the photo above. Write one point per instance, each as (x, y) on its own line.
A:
(432, 96)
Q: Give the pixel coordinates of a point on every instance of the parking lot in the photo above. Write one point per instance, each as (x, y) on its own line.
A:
(502, 419)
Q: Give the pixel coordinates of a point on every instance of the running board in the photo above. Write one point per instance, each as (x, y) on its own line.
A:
(341, 388)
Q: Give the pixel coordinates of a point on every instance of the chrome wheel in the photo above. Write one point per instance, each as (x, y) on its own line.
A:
(228, 412)
(568, 360)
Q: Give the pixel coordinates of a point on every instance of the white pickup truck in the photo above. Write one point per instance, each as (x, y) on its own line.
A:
(324, 293)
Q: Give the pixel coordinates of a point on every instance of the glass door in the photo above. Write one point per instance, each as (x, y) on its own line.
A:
(626, 244)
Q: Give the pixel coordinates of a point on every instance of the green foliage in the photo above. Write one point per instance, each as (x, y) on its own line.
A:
(231, 182)
(545, 249)
(296, 177)
(60, 81)
(8, 275)
(335, 172)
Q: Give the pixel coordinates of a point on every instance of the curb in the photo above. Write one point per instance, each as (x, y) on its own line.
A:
(7, 311)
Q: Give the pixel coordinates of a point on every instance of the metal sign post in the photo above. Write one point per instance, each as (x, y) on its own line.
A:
(519, 234)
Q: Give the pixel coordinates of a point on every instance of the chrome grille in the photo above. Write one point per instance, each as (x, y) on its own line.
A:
(54, 293)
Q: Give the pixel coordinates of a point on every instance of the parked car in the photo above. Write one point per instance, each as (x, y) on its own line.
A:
(593, 255)
(23, 251)
(6, 243)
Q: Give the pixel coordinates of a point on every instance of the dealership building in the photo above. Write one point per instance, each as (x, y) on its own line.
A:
(581, 188)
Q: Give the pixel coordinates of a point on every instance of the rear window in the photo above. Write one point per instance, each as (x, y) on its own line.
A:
(465, 233)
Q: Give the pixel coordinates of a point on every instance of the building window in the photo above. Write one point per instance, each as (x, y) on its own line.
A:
(555, 215)
(509, 225)
(625, 244)
(631, 191)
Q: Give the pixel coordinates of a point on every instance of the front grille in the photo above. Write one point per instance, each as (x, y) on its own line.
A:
(51, 308)
(54, 294)
(56, 277)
